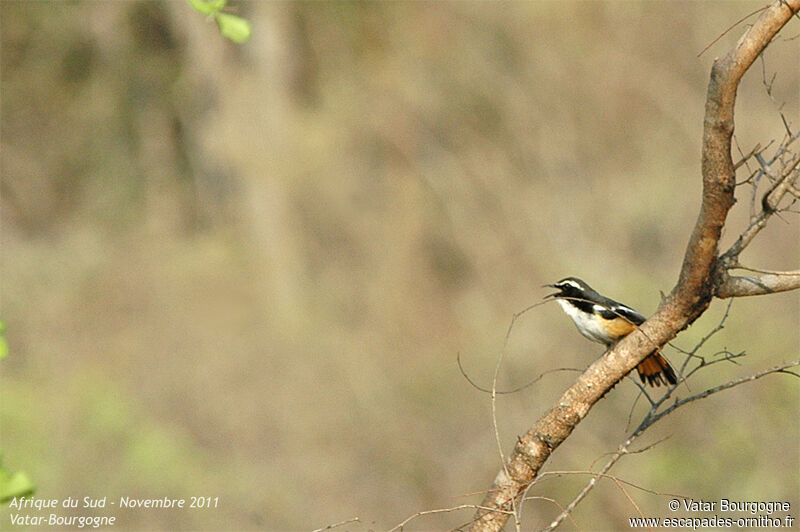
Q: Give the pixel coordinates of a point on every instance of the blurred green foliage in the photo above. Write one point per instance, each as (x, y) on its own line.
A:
(11, 484)
(234, 28)
(3, 342)
(245, 272)
(14, 485)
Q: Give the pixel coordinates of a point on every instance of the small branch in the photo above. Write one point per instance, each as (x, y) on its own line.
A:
(650, 420)
(495, 425)
(610, 477)
(623, 449)
(721, 35)
(555, 502)
(513, 390)
(768, 90)
(745, 158)
(761, 270)
(769, 206)
(757, 285)
(693, 353)
(620, 483)
(340, 523)
(407, 520)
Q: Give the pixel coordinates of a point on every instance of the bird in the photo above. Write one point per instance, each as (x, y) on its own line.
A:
(603, 320)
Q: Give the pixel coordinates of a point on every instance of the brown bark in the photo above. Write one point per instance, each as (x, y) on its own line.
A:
(757, 285)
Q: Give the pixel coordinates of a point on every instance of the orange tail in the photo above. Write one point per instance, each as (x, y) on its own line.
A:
(655, 370)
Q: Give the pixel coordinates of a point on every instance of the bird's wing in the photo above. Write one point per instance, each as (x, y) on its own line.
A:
(618, 310)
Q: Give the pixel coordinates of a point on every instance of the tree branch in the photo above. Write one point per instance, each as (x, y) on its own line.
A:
(687, 301)
(649, 420)
(784, 183)
(757, 285)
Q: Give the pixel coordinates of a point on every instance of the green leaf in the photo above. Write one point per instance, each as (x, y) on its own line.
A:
(234, 28)
(208, 7)
(3, 343)
(16, 485)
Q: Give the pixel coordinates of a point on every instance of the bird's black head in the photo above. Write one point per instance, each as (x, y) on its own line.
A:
(570, 287)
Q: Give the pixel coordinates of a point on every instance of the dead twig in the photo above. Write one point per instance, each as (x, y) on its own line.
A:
(340, 523)
(652, 418)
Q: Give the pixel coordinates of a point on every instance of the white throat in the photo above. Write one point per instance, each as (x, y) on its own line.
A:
(584, 322)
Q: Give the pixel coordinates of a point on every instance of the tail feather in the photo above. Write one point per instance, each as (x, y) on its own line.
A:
(655, 370)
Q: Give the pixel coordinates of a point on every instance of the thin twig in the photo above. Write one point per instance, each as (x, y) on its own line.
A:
(340, 523)
(495, 426)
(650, 419)
(745, 158)
(612, 477)
(514, 390)
(555, 502)
(770, 272)
(404, 522)
(721, 35)
(630, 499)
(637, 451)
(677, 404)
(585, 491)
(693, 353)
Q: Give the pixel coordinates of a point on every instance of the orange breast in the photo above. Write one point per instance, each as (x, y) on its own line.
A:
(618, 327)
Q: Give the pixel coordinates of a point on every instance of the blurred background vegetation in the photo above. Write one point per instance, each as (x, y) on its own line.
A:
(246, 271)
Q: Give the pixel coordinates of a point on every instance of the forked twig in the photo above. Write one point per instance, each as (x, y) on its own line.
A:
(653, 417)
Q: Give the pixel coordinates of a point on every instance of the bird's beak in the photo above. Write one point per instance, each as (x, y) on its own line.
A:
(550, 286)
